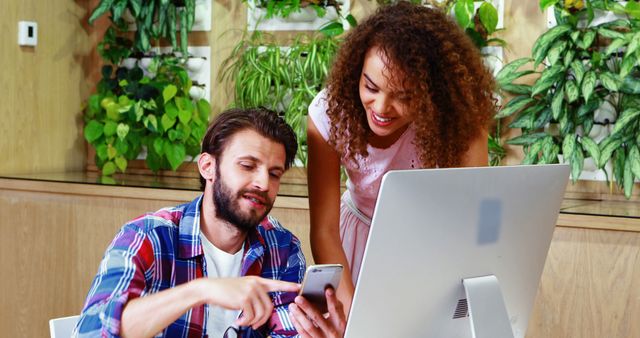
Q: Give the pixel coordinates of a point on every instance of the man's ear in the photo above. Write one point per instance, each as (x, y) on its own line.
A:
(207, 166)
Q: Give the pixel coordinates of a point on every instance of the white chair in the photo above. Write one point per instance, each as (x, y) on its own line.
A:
(62, 327)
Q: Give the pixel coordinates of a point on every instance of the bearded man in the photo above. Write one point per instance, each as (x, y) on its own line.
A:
(217, 266)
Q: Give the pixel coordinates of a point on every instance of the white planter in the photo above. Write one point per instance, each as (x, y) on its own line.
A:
(305, 20)
(129, 63)
(492, 57)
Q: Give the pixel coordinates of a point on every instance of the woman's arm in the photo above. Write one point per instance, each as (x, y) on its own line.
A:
(478, 153)
(323, 177)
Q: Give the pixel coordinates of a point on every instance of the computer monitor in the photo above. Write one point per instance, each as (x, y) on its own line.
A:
(434, 228)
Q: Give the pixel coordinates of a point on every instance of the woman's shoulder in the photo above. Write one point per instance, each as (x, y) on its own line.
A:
(318, 113)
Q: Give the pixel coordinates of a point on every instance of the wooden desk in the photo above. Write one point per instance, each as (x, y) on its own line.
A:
(55, 232)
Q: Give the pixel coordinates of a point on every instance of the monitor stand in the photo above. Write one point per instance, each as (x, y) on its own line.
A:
(487, 312)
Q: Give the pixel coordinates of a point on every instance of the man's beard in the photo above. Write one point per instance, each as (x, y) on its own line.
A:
(228, 206)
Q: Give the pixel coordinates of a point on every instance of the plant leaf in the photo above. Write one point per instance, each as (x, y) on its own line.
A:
(614, 46)
(556, 103)
(543, 43)
(110, 128)
(568, 145)
(628, 62)
(627, 117)
(516, 104)
(185, 116)
(111, 152)
(463, 10)
(556, 51)
(610, 81)
(578, 70)
(544, 4)
(121, 163)
(527, 139)
(634, 159)
(577, 163)
(611, 34)
(171, 109)
(519, 89)
(169, 92)
(122, 131)
(509, 69)
(102, 8)
(587, 39)
(572, 91)
(548, 78)
(607, 147)
(175, 154)
(630, 85)
(108, 168)
(591, 147)
(332, 28)
(93, 130)
(167, 121)
(488, 17)
(588, 84)
(627, 178)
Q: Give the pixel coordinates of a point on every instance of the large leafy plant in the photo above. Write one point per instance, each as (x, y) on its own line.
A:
(586, 69)
(262, 73)
(132, 110)
(136, 111)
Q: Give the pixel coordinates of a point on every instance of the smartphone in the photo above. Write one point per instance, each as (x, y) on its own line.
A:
(316, 279)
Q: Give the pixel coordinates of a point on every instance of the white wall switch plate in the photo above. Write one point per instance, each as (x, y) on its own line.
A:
(27, 33)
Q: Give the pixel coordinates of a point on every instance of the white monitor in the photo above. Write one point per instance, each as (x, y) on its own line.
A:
(432, 229)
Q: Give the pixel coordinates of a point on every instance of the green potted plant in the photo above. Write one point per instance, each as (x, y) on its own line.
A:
(131, 110)
(585, 104)
(153, 110)
(263, 73)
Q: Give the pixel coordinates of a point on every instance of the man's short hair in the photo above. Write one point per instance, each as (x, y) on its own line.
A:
(261, 120)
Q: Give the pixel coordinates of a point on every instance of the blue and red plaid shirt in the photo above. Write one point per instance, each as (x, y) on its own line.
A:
(161, 250)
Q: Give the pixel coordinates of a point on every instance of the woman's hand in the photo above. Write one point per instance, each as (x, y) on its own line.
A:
(309, 322)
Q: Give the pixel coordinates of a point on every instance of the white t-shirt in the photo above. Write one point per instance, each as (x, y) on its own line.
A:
(220, 265)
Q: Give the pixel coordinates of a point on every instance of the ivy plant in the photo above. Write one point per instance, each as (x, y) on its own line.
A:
(131, 110)
(582, 69)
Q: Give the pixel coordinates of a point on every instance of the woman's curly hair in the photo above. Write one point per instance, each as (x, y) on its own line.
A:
(437, 64)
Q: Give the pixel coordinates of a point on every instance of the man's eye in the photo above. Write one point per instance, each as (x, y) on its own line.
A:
(275, 174)
(246, 166)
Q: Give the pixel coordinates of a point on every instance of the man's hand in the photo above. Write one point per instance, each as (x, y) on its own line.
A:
(309, 322)
(248, 294)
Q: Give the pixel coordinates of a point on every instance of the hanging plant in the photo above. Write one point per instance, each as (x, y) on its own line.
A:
(285, 79)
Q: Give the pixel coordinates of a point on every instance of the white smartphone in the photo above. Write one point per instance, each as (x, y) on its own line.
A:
(316, 279)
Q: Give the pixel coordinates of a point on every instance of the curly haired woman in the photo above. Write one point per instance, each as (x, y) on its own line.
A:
(407, 90)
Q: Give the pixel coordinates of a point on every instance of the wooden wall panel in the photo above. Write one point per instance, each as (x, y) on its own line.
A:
(42, 87)
(590, 286)
(52, 244)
